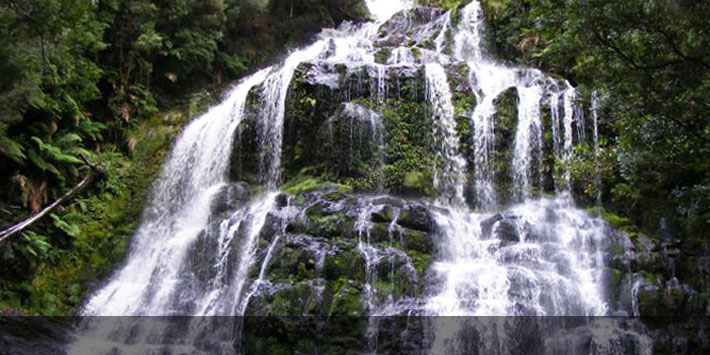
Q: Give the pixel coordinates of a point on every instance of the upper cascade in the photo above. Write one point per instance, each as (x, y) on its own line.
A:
(383, 10)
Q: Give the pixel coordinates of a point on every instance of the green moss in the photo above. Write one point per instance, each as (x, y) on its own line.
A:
(383, 55)
(420, 261)
(651, 278)
(384, 287)
(300, 186)
(348, 264)
(346, 299)
(410, 160)
(615, 221)
(418, 182)
(303, 184)
(418, 241)
(506, 121)
(616, 277)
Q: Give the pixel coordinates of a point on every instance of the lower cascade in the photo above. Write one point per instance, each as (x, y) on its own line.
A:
(382, 190)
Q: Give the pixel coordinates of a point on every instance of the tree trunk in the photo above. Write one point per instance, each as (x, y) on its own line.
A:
(93, 175)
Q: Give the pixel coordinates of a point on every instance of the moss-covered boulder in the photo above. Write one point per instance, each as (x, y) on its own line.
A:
(507, 232)
(506, 121)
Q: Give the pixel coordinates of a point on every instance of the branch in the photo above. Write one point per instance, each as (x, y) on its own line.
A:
(612, 45)
(94, 174)
(672, 43)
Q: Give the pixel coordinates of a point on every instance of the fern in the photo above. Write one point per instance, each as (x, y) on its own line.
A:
(69, 228)
(37, 160)
(35, 244)
(11, 149)
(91, 129)
(69, 139)
(55, 153)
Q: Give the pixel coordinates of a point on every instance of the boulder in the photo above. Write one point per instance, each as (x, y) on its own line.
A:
(507, 232)
(487, 224)
(672, 299)
(384, 215)
(415, 216)
(230, 197)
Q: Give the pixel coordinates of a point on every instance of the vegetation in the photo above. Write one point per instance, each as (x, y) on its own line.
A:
(88, 79)
(649, 63)
(94, 79)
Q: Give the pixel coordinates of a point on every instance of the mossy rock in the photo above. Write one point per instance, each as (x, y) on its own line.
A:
(384, 215)
(418, 241)
(506, 121)
(349, 264)
(507, 232)
(347, 298)
(416, 217)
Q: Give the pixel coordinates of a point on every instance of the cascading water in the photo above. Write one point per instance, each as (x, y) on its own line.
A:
(528, 137)
(275, 90)
(515, 265)
(597, 149)
(449, 176)
(196, 254)
(569, 96)
(194, 173)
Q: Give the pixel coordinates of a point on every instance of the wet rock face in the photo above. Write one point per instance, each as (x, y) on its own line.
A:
(331, 255)
(340, 254)
(414, 27)
(507, 232)
(34, 335)
(357, 122)
(644, 277)
(673, 298)
(487, 225)
(230, 197)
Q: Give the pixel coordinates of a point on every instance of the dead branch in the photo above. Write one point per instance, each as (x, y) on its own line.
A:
(94, 174)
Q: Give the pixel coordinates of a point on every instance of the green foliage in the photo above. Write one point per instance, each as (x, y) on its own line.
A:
(502, 156)
(592, 170)
(48, 272)
(70, 229)
(36, 245)
(303, 184)
(86, 79)
(650, 65)
(409, 164)
(444, 4)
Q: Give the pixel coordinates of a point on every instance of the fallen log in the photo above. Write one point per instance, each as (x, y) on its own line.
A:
(94, 174)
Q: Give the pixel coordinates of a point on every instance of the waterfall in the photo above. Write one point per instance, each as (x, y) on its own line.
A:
(597, 150)
(495, 264)
(401, 55)
(449, 177)
(468, 41)
(197, 255)
(528, 137)
(440, 41)
(276, 88)
(195, 171)
(570, 95)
